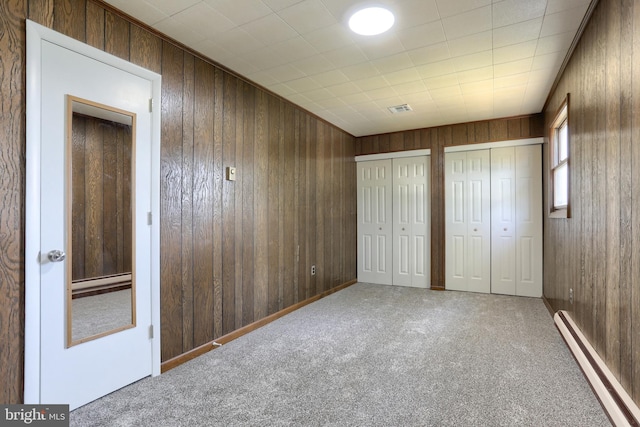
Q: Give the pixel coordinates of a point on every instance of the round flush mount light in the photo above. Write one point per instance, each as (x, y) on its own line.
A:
(371, 21)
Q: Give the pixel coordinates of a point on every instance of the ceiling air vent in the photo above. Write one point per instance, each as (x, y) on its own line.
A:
(400, 108)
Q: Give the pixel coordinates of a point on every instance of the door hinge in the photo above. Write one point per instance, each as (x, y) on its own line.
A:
(151, 105)
(150, 332)
(149, 218)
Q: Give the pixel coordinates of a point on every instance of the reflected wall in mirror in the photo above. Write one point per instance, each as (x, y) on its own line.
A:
(100, 246)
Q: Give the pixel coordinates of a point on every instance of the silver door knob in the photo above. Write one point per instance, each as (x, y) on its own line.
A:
(56, 255)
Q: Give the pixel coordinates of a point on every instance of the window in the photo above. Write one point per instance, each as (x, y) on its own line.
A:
(559, 170)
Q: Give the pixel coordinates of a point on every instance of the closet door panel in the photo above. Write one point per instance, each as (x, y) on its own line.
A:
(411, 223)
(375, 222)
(503, 216)
(529, 221)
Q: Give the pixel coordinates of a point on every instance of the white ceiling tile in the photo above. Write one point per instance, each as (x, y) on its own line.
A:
(475, 75)
(267, 58)
(205, 18)
(313, 65)
(517, 33)
(412, 13)
(307, 16)
(464, 24)
(448, 7)
(304, 84)
(422, 35)
(294, 49)
(177, 30)
(410, 87)
(171, 7)
(355, 98)
(329, 38)
(550, 60)
(436, 69)
(286, 72)
(380, 46)
(446, 92)
(240, 12)
(442, 81)
(371, 83)
(319, 94)
(471, 44)
(238, 41)
(514, 52)
(330, 78)
(403, 76)
(510, 68)
(555, 43)
(360, 71)
(393, 63)
(346, 56)
(240, 65)
(510, 12)
(511, 80)
(277, 5)
(434, 53)
(142, 10)
(343, 89)
(561, 22)
(384, 93)
(479, 87)
(476, 60)
(555, 6)
(270, 29)
(331, 103)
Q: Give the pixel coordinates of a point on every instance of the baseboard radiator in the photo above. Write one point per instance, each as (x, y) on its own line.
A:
(618, 405)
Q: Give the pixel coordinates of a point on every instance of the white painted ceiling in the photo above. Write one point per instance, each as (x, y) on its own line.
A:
(452, 61)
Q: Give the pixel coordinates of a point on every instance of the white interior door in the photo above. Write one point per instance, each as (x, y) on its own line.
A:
(57, 368)
(528, 220)
(468, 221)
(503, 217)
(375, 264)
(411, 237)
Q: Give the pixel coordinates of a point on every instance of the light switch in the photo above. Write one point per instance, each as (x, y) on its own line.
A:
(231, 173)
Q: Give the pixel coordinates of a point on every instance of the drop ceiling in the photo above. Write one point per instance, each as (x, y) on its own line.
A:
(451, 61)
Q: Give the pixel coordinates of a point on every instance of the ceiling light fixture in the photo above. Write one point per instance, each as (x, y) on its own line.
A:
(371, 21)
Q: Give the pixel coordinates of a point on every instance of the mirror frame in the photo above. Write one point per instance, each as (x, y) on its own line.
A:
(86, 107)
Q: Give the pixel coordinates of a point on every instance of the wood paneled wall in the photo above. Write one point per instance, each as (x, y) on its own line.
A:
(101, 198)
(597, 251)
(231, 252)
(436, 138)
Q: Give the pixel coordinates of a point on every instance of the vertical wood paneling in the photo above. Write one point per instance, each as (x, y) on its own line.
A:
(274, 206)
(116, 31)
(12, 161)
(261, 207)
(95, 25)
(69, 18)
(187, 214)
(216, 202)
(602, 239)
(170, 198)
(288, 193)
(238, 203)
(247, 167)
(634, 322)
(228, 202)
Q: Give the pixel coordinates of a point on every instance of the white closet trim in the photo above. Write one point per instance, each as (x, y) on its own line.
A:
(499, 144)
(393, 155)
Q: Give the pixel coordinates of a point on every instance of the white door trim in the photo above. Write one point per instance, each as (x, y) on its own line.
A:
(497, 144)
(393, 155)
(36, 34)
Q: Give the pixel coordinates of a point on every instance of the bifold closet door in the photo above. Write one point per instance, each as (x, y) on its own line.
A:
(468, 221)
(411, 234)
(516, 211)
(375, 228)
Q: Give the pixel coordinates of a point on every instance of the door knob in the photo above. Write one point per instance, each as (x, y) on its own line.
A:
(56, 255)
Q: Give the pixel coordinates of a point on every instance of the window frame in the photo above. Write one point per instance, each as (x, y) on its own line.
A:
(561, 119)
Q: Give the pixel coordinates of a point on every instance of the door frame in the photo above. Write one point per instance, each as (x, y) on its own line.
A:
(36, 34)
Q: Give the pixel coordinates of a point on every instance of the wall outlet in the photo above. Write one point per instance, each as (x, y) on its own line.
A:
(570, 295)
(313, 270)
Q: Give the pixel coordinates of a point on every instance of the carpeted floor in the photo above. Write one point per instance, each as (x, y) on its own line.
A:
(373, 355)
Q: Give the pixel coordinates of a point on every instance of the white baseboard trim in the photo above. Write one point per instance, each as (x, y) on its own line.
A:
(617, 403)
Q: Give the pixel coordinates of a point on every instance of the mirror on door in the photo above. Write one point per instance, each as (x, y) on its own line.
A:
(100, 247)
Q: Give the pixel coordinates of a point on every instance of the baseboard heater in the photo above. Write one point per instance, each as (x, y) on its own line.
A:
(100, 285)
(620, 408)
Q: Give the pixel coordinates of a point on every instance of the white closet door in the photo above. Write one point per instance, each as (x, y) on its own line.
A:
(503, 218)
(516, 252)
(411, 237)
(468, 221)
(375, 264)
(529, 221)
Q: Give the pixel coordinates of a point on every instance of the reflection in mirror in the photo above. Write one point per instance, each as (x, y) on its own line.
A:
(101, 277)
